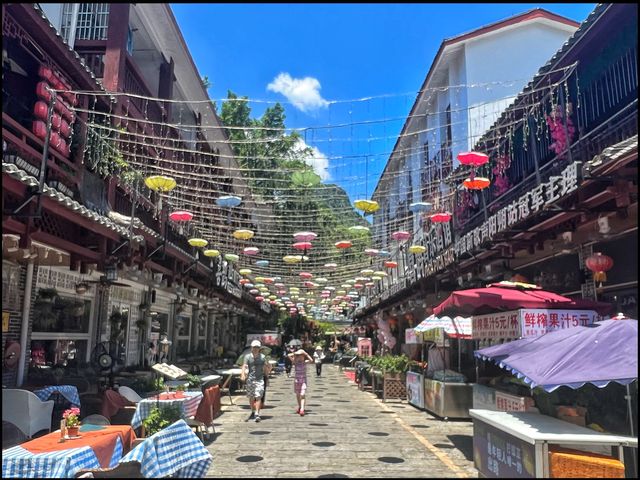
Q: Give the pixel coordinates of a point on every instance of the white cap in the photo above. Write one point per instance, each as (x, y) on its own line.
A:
(256, 343)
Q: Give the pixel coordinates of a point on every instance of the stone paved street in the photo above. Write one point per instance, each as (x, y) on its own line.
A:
(345, 433)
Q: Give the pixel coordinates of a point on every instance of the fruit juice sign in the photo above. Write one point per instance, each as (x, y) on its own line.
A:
(497, 454)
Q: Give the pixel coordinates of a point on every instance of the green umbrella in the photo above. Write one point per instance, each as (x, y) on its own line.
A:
(305, 178)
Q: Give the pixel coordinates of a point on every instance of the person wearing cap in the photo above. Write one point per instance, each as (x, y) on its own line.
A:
(318, 356)
(254, 369)
(300, 358)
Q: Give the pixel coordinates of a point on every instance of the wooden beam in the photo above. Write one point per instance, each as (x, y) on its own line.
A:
(65, 245)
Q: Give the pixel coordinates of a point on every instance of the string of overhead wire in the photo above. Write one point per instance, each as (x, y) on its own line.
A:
(200, 181)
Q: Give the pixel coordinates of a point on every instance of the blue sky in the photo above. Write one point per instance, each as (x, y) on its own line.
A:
(306, 55)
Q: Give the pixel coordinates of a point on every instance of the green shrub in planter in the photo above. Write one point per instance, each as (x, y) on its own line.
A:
(194, 381)
(160, 418)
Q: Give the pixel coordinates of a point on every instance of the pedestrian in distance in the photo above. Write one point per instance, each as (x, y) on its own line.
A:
(300, 358)
(318, 356)
(254, 369)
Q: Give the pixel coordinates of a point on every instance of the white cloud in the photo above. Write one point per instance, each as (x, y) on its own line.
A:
(318, 160)
(303, 93)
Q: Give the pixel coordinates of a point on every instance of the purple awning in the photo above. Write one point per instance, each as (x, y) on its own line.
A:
(600, 353)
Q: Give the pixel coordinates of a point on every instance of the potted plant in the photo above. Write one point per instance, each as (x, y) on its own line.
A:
(47, 295)
(194, 381)
(142, 324)
(160, 418)
(72, 421)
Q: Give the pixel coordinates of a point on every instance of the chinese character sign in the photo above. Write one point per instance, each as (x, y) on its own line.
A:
(410, 336)
(496, 454)
(536, 321)
(496, 325)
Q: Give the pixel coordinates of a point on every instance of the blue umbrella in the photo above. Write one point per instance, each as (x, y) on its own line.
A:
(228, 201)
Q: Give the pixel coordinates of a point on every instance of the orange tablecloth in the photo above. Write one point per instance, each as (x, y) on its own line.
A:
(102, 442)
(209, 406)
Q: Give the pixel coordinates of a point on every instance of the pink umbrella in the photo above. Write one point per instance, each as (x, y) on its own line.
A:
(372, 252)
(304, 236)
(401, 236)
(440, 217)
(251, 251)
(302, 246)
(180, 216)
(305, 275)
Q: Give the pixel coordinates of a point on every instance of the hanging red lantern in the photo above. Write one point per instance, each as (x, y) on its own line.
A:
(599, 263)
(476, 183)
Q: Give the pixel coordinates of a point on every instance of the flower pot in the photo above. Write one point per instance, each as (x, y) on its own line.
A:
(73, 431)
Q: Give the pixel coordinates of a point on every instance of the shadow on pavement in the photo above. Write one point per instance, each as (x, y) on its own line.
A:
(464, 443)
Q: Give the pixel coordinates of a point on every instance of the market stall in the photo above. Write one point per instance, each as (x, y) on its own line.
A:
(446, 392)
(598, 354)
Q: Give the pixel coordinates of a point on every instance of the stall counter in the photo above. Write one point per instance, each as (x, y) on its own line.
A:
(516, 444)
(448, 399)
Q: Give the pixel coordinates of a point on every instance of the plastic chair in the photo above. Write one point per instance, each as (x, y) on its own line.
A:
(96, 419)
(129, 393)
(173, 451)
(26, 411)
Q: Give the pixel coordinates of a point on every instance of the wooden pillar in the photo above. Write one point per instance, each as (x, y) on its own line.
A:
(116, 50)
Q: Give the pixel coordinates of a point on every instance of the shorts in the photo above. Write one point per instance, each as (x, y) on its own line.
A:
(299, 387)
(255, 388)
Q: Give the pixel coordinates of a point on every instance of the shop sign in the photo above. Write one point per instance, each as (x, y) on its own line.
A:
(496, 454)
(410, 336)
(506, 402)
(5, 322)
(435, 335)
(535, 322)
(526, 205)
(496, 325)
(227, 278)
(269, 339)
(438, 255)
(415, 389)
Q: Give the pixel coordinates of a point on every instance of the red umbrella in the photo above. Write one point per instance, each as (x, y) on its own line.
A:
(506, 296)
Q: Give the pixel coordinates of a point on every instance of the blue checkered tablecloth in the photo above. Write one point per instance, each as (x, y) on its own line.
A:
(18, 462)
(174, 451)
(188, 404)
(69, 392)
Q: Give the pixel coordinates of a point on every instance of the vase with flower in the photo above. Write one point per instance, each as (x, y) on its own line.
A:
(72, 420)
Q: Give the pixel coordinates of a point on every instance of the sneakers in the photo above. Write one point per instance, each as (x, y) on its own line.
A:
(251, 417)
(258, 418)
(301, 413)
(298, 410)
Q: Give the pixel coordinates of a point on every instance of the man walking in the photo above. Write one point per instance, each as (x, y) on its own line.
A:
(254, 369)
(318, 356)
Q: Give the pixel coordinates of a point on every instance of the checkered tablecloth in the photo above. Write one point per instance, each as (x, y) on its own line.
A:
(69, 392)
(188, 404)
(174, 450)
(18, 462)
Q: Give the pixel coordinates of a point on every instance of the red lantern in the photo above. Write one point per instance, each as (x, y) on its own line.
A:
(599, 264)
(475, 159)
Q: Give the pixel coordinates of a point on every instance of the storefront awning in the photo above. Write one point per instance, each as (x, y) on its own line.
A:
(457, 327)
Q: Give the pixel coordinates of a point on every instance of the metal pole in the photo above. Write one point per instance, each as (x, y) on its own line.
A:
(24, 328)
(631, 427)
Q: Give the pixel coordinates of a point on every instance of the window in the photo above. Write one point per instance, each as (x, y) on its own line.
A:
(183, 328)
(61, 314)
(66, 353)
(10, 286)
(92, 21)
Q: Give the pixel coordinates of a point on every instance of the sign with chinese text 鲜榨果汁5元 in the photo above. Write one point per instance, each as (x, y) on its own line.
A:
(526, 205)
(528, 322)
(496, 454)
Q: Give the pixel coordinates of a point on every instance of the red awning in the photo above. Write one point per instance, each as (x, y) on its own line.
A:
(503, 297)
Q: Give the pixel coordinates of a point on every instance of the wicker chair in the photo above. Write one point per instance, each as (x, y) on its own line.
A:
(11, 435)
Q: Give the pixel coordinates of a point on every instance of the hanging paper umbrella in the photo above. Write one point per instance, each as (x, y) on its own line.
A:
(441, 217)
(268, 280)
(476, 183)
(401, 236)
(474, 159)
(243, 234)
(367, 206)
(417, 249)
(343, 244)
(330, 265)
(304, 246)
(254, 291)
(321, 280)
(244, 271)
(251, 251)
(244, 281)
(262, 263)
(390, 264)
(197, 242)
(160, 183)
(358, 229)
(305, 236)
(292, 258)
(231, 257)
(228, 201)
(419, 207)
(181, 216)
(259, 298)
(248, 285)
(305, 178)
(259, 279)
(211, 253)
(372, 252)
(384, 254)
(305, 275)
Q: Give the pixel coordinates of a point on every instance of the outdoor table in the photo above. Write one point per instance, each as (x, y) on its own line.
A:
(69, 392)
(176, 383)
(99, 446)
(188, 403)
(516, 444)
(210, 379)
(233, 372)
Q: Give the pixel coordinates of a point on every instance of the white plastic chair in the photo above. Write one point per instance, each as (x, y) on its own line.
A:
(129, 393)
(96, 419)
(26, 411)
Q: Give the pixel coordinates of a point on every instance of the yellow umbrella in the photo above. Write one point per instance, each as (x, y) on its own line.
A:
(292, 258)
(367, 206)
(160, 183)
(243, 234)
(417, 249)
(197, 242)
(244, 271)
(211, 253)
(231, 257)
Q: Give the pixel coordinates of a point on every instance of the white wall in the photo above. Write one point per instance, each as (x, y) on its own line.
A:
(511, 54)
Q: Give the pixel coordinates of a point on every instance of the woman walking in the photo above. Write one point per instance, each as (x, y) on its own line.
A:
(300, 358)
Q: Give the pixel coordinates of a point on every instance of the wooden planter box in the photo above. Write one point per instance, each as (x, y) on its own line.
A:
(394, 386)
